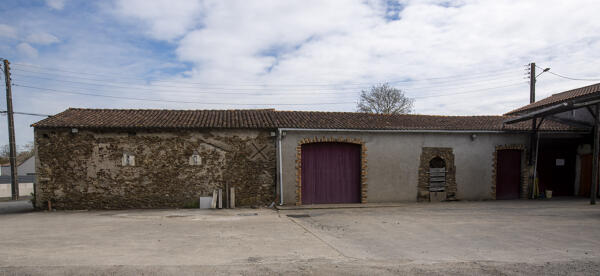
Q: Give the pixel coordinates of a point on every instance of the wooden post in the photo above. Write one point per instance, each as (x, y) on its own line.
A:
(232, 197)
(594, 188)
(213, 204)
(226, 194)
(14, 175)
(220, 201)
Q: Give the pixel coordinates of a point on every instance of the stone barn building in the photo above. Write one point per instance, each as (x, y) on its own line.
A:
(112, 159)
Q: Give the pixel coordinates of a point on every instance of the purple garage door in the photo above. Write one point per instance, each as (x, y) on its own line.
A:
(330, 173)
(508, 174)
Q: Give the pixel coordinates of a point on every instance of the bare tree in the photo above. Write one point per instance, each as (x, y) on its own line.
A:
(384, 99)
(4, 154)
(25, 152)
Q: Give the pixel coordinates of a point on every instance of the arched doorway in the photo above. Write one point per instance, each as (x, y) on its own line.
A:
(437, 175)
(330, 173)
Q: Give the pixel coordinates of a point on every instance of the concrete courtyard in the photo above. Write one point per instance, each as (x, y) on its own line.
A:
(559, 236)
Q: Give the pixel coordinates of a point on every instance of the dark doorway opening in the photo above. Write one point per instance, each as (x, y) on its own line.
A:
(508, 174)
(556, 166)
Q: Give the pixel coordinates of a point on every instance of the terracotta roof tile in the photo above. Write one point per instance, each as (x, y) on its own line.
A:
(586, 91)
(270, 119)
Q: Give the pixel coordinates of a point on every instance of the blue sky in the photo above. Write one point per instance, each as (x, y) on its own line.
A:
(453, 57)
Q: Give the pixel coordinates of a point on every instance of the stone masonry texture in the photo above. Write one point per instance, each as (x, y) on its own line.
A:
(85, 170)
(445, 154)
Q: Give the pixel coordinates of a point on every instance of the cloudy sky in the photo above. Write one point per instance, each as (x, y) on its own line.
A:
(453, 57)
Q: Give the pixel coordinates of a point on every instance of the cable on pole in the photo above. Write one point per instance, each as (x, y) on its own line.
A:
(454, 78)
(172, 101)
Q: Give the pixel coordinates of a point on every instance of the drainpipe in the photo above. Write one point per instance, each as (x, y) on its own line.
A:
(279, 157)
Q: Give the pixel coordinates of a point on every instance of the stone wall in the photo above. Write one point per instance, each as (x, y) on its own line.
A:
(87, 169)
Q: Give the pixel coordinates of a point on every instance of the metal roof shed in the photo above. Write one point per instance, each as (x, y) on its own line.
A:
(587, 98)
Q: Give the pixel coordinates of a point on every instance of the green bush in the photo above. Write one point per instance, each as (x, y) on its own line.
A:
(191, 204)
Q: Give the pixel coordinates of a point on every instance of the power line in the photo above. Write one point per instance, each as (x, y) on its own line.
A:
(469, 92)
(26, 113)
(453, 77)
(49, 90)
(179, 93)
(315, 92)
(186, 94)
(332, 87)
(569, 78)
(136, 86)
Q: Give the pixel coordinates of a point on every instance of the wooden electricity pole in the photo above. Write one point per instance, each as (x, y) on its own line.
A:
(533, 139)
(11, 134)
(533, 121)
(532, 83)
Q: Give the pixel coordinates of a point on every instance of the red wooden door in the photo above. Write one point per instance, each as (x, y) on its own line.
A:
(585, 182)
(508, 174)
(330, 173)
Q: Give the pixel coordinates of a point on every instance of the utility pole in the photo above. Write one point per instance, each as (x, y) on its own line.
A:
(11, 134)
(534, 120)
(533, 138)
(532, 83)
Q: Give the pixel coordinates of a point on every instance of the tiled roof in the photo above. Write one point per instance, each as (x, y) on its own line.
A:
(350, 120)
(271, 119)
(158, 118)
(586, 91)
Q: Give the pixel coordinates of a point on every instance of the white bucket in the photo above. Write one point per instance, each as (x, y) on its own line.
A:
(205, 202)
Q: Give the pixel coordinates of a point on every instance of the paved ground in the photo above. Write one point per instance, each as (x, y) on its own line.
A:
(478, 238)
(14, 207)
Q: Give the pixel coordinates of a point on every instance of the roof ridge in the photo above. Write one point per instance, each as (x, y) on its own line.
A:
(558, 97)
(159, 109)
(376, 114)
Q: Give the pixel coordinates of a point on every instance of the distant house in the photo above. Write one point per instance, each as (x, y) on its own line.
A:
(5, 169)
(25, 167)
(112, 158)
(26, 171)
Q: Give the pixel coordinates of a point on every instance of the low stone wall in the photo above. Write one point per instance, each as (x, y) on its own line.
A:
(94, 169)
(25, 189)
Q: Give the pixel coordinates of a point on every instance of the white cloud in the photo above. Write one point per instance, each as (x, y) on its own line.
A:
(306, 52)
(7, 31)
(165, 19)
(27, 50)
(42, 38)
(352, 41)
(56, 4)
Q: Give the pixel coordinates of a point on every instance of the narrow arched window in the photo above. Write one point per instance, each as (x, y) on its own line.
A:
(195, 159)
(128, 159)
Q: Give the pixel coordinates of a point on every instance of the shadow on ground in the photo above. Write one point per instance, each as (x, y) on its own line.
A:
(15, 207)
